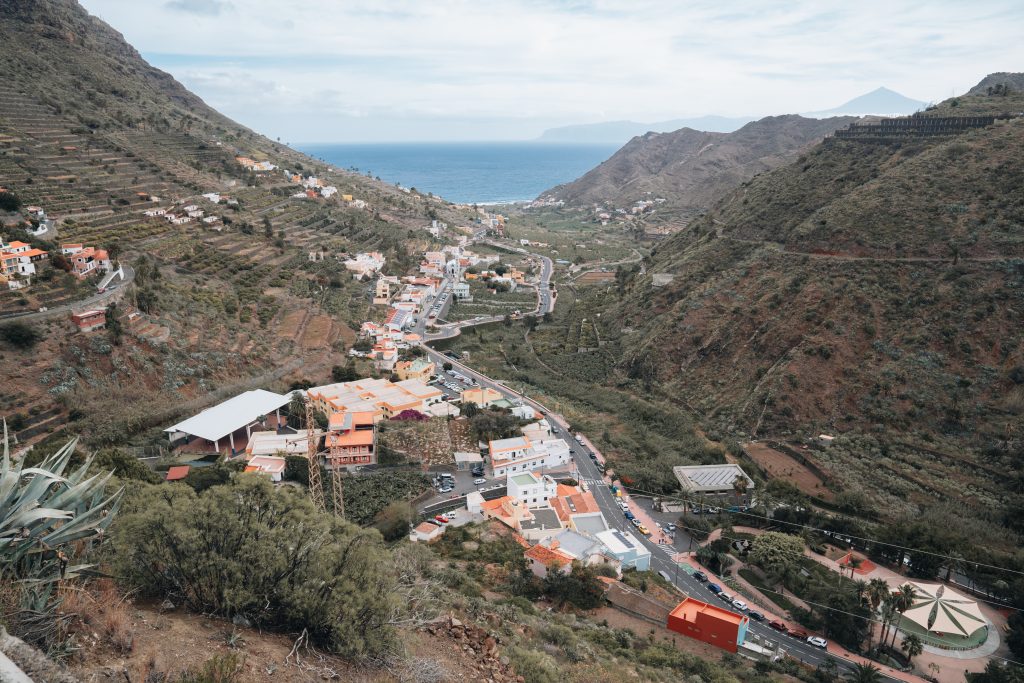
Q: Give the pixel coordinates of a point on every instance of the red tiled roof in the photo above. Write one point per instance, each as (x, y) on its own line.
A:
(547, 556)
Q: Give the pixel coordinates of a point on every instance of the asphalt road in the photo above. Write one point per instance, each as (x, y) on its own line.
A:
(586, 470)
(94, 301)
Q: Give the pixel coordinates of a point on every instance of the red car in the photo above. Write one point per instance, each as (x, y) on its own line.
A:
(440, 519)
(797, 633)
(777, 625)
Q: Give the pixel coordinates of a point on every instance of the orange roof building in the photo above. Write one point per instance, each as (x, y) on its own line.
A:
(351, 439)
(543, 559)
(576, 503)
(709, 624)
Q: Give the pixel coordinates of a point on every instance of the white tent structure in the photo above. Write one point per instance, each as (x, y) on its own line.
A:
(224, 419)
(940, 610)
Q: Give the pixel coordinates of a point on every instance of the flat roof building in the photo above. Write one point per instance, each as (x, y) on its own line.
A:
(714, 480)
(709, 624)
(225, 419)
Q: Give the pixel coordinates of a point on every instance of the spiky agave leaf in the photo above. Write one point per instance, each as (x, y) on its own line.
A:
(42, 510)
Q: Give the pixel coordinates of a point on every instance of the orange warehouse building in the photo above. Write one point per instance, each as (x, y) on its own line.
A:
(709, 623)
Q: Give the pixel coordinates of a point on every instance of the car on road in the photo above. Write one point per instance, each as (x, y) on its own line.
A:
(818, 642)
(642, 529)
(798, 633)
(636, 522)
(725, 597)
(629, 515)
(740, 605)
(715, 588)
(441, 518)
(756, 616)
(777, 625)
(671, 528)
(700, 576)
(479, 481)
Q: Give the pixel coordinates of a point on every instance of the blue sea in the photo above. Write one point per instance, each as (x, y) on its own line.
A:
(468, 172)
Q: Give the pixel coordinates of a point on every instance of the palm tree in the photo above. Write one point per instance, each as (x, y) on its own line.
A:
(913, 646)
(888, 614)
(860, 589)
(904, 600)
(954, 563)
(878, 591)
(864, 673)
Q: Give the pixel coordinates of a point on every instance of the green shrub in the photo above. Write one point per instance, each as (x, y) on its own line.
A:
(20, 335)
(247, 549)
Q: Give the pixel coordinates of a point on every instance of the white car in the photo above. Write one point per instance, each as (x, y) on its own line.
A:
(740, 605)
(479, 481)
(818, 642)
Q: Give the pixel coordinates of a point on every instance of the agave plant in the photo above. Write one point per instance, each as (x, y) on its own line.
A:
(43, 512)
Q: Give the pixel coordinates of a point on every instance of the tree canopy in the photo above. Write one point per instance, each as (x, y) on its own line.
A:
(776, 552)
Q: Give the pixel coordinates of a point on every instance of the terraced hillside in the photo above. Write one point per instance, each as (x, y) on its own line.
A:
(871, 289)
(90, 133)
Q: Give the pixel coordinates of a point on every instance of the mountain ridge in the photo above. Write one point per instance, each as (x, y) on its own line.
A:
(689, 168)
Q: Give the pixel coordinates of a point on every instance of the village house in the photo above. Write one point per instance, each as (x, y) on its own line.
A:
(351, 438)
(484, 397)
(419, 368)
(425, 532)
(532, 489)
(271, 465)
(280, 444)
(18, 263)
(86, 260)
(154, 213)
(87, 321)
(461, 291)
(364, 265)
(520, 454)
(543, 560)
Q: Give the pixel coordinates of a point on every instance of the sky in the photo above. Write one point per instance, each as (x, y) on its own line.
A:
(438, 70)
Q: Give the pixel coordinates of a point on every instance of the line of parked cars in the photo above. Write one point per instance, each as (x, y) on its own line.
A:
(741, 606)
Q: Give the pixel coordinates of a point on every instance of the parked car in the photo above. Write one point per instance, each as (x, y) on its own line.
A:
(818, 642)
(665, 576)
(629, 515)
(725, 597)
(441, 518)
(777, 625)
(797, 633)
(479, 481)
(715, 588)
(671, 528)
(700, 576)
(446, 489)
(756, 616)
(740, 605)
(451, 515)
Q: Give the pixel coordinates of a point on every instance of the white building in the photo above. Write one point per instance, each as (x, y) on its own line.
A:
(520, 454)
(530, 488)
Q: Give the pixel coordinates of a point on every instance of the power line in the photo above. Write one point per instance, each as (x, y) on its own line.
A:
(731, 538)
(859, 538)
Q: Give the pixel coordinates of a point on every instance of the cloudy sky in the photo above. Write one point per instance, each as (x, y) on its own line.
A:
(399, 70)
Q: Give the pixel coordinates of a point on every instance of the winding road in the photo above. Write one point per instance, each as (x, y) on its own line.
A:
(588, 472)
(94, 301)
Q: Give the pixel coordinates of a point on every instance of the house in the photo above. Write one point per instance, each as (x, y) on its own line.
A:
(531, 488)
(86, 260)
(484, 397)
(520, 454)
(624, 547)
(461, 291)
(328, 192)
(87, 321)
(177, 473)
(524, 412)
(18, 263)
(212, 197)
(542, 524)
(384, 290)
(419, 368)
(385, 355)
(190, 208)
(267, 464)
(155, 213)
(574, 502)
(351, 438)
(426, 532)
(714, 481)
(709, 624)
(397, 319)
(507, 510)
(363, 264)
(543, 559)
(584, 549)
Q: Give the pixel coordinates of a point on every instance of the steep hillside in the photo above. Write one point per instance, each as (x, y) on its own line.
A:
(91, 133)
(870, 288)
(1013, 81)
(691, 169)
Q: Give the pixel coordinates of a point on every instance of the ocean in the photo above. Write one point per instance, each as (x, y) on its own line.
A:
(468, 172)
